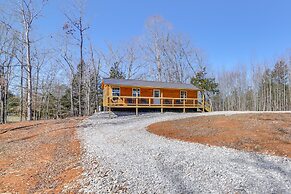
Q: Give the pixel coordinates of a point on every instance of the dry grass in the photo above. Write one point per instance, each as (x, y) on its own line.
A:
(264, 133)
(39, 156)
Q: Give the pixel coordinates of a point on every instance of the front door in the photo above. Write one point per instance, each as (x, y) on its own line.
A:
(157, 95)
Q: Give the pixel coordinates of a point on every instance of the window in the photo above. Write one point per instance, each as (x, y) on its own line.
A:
(157, 93)
(115, 91)
(183, 94)
(135, 92)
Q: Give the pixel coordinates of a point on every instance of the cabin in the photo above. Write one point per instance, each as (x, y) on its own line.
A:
(125, 94)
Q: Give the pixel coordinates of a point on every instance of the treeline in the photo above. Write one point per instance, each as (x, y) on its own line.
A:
(41, 80)
(54, 76)
(263, 88)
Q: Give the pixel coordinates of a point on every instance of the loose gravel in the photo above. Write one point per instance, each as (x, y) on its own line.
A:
(120, 156)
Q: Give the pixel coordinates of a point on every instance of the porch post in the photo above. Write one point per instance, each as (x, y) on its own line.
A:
(162, 109)
(109, 103)
(203, 100)
(109, 99)
(184, 105)
(136, 106)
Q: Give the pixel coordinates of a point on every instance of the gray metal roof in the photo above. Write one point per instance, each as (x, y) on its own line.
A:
(150, 84)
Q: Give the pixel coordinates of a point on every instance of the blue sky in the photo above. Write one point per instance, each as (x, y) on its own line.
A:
(231, 32)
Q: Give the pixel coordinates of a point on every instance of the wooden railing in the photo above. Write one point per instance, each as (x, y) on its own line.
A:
(156, 102)
(207, 106)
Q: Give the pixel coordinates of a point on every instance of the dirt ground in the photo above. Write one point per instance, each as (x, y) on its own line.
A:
(264, 133)
(39, 156)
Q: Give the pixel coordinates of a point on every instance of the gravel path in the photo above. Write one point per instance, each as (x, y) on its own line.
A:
(121, 156)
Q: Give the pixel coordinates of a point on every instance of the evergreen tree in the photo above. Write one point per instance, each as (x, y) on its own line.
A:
(65, 104)
(203, 82)
(115, 72)
(13, 104)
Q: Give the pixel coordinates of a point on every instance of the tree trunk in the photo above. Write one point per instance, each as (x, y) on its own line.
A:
(47, 106)
(2, 85)
(21, 92)
(81, 68)
(36, 95)
(5, 103)
(72, 98)
(29, 77)
(88, 100)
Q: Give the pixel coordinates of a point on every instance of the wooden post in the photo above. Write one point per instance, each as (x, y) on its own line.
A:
(149, 101)
(203, 102)
(184, 109)
(105, 96)
(109, 98)
(162, 109)
(109, 104)
(136, 106)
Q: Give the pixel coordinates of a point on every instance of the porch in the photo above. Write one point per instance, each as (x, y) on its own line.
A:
(157, 102)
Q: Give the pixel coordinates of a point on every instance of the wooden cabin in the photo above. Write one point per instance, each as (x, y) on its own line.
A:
(124, 94)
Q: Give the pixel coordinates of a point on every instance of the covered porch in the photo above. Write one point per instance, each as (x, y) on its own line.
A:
(135, 94)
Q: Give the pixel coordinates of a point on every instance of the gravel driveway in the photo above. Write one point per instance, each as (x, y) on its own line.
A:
(121, 156)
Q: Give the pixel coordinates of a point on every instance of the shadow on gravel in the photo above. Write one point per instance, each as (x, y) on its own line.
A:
(260, 163)
(173, 175)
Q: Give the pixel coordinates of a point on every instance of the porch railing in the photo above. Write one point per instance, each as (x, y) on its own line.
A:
(154, 102)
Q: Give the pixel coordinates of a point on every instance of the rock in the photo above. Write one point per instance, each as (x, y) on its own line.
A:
(120, 156)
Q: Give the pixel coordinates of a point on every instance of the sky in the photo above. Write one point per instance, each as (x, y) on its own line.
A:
(230, 32)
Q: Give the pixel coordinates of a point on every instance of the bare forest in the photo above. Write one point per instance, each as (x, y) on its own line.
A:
(41, 80)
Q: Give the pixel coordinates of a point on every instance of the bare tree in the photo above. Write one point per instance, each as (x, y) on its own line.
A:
(267, 90)
(8, 41)
(173, 55)
(67, 62)
(39, 61)
(181, 59)
(29, 13)
(76, 28)
(156, 38)
(113, 61)
(47, 84)
(21, 61)
(133, 63)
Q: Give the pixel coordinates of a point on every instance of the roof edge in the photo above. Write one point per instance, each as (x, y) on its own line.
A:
(148, 81)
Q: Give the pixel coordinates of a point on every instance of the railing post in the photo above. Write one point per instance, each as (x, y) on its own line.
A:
(173, 102)
(109, 104)
(162, 101)
(203, 102)
(162, 109)
(136, 106)
(184, 103)
(123, 101)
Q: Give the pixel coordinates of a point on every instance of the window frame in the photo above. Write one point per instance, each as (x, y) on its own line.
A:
(137, 91)
(112, 93)
(185, 93)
